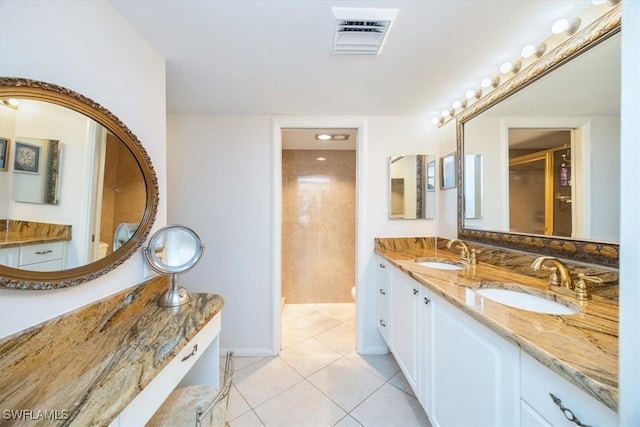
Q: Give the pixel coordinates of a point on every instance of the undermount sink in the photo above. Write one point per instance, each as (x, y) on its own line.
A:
(526, 301)
(439, 264)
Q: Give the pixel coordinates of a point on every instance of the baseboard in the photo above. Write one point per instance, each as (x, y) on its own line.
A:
(374, 349)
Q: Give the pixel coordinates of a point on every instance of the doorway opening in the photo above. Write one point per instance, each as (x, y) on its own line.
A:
(318, 215)
(319, 254)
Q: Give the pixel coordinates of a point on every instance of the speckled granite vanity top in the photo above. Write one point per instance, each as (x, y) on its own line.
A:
(582, 347)
(90, 363)
(17, 233)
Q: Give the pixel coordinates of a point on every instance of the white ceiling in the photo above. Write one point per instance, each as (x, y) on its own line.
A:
(274, 57)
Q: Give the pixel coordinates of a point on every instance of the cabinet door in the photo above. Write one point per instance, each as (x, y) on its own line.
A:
(383, 287)
(9, 257)
(474, 373)
(404, 303)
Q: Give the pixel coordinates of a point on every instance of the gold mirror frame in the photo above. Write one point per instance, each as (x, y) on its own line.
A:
(580, 250)
(25, 279)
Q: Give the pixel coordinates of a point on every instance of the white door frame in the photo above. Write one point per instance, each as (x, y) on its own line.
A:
(276, 173)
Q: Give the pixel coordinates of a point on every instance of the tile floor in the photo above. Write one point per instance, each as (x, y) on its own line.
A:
(319, 379)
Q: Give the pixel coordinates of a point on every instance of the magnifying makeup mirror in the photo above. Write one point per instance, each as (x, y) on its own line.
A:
(172, 250)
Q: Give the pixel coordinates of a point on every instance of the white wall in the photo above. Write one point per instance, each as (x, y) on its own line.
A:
(447, 216)
(93, 51)
(629, 374)
(220, 177)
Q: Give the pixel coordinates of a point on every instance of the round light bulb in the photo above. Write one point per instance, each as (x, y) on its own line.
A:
(528, 51)
(560, 26)
(435, 120)
(486, 82)
(446, 113)
(456, 104)
(506, 67)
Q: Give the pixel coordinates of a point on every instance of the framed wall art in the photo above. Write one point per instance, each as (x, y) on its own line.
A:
(26, 158)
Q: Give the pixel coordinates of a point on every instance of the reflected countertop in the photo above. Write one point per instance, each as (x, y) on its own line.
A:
(582, 347)
(14, 233)
(88, 364)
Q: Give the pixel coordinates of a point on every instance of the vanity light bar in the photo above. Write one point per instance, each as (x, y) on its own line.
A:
(531, 52)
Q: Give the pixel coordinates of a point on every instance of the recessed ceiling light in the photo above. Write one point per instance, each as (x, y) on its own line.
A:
(332, 136)
(321, 159)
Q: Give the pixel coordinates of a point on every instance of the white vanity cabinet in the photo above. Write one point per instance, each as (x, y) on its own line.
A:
(475, 372)
(203, 349)
(42, 256)
(384, 272)
(9, 256)
(537, 407)
(405, 305)
(35, 257)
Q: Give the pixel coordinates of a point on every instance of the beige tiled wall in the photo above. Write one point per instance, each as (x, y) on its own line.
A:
(318, 225)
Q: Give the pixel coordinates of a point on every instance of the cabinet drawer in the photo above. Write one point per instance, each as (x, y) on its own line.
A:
(41, 252)
(537, 381)
(142, 408)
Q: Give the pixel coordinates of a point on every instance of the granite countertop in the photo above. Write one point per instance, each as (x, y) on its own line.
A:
(90, 363)
(9, 240)
(583, 347)
(15, 233)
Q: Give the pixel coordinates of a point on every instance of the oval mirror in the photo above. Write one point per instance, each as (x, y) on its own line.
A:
(172, 250)
(96, 179)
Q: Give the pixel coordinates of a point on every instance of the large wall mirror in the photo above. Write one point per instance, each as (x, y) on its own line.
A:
(550, 143)
(104, 184)
(412, 180)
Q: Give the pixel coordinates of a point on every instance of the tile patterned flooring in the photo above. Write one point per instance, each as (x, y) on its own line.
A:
(319, 379)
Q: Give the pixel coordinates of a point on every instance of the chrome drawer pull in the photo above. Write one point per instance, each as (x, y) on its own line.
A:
(48, 251)
(382, 323)
(568, 413)
(382, 292)
(382, 265)
(426, 300)
(415, 292)
(194, 350)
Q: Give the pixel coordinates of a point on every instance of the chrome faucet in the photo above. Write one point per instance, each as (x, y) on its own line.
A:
(466, 254)
(558, 268)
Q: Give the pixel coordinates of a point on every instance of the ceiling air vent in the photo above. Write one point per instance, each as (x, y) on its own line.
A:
(361, 31)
